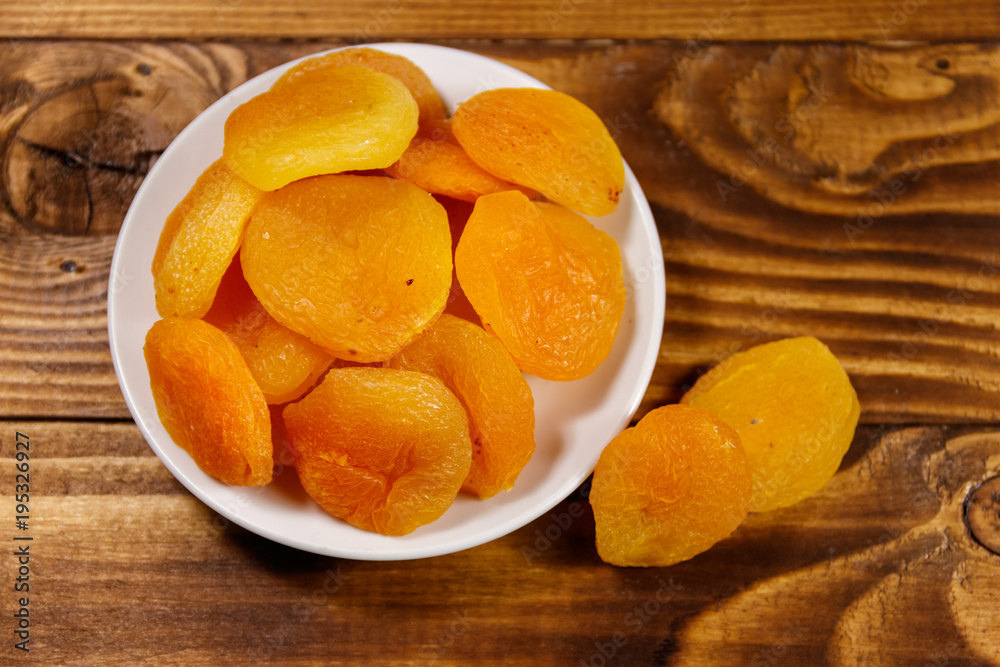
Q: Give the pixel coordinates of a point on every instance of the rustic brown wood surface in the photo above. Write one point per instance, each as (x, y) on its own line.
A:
(876, 569)
(369, 20)
(844, 190)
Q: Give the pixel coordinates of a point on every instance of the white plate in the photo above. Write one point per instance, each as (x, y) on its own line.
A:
(574, 420)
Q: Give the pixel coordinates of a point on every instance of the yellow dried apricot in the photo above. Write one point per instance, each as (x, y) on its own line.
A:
(208, 401)
(284, 363)
(480, 372)
(669, 488)
(416, 81)
(795, 410)
(335, 119)
(198, 241)
(386, 450)
(545, 281)
(359, 265)
(435, 162)
(545, 140)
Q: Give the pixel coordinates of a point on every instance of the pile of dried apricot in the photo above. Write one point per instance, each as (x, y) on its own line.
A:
(764, 429)
(387, 275)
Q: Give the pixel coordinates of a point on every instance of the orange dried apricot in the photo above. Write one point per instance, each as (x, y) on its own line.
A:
(208, 401)
(480, 372)
(284, 363)
(360, 265)
(545, 140)
(435, 162)
(416, 81)
(545, 281)
(335, 119)
(795, 410)
(198, 241)
(669, 488)
(386, 450)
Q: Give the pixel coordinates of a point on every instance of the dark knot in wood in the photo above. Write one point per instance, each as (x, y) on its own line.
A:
(982, 514)
(81, 124)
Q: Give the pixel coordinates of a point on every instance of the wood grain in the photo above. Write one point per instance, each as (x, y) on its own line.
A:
(374, 20)
(908, 301)
(876, 569)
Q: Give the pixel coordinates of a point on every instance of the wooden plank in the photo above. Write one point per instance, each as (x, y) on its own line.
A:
(908, 301)
(877, 569)
(374, 20)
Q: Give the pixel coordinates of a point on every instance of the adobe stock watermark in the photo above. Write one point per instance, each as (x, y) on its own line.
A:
(284, 459)
(795, 632)
(959, 296)
(378, 22)
(754, 330)
(632, 623)
(300, 612)
(786, 127)
(897, 187)
(456, 629)
(40, 21)
(711, 32)
(559, 524)
(901, 15)
(796, 458)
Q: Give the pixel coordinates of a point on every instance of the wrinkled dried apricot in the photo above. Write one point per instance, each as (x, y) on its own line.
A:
(545, 281)
(360, 265)
(545, 140)
(795, 410)
(480, 372)
(416, 81)
(435, 162)
(669, 488)
(284, 363)
(335, 119)
(386, 450)
(208, 401)
(198, 241)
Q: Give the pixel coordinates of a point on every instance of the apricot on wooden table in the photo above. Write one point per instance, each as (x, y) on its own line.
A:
(669, 488)
(545, 281)
(208, 401)
(416, 81)
(544, 140)
(359, 265)
(336, 119)
(198, 241)
(475, 366)
(386, 450)
(795, 410)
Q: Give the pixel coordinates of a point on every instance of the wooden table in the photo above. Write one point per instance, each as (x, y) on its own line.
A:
(823, 168)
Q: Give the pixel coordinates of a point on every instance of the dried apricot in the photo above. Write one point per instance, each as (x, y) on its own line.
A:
(545, 281)
(386, 450)
(284, 363)
(360, 265)
(480, 372)
(198, 241)
(545, 140)
(208, 401)
(435, 162)
(335, 119)
(795, 410)
(669, 488)
(420, 86)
